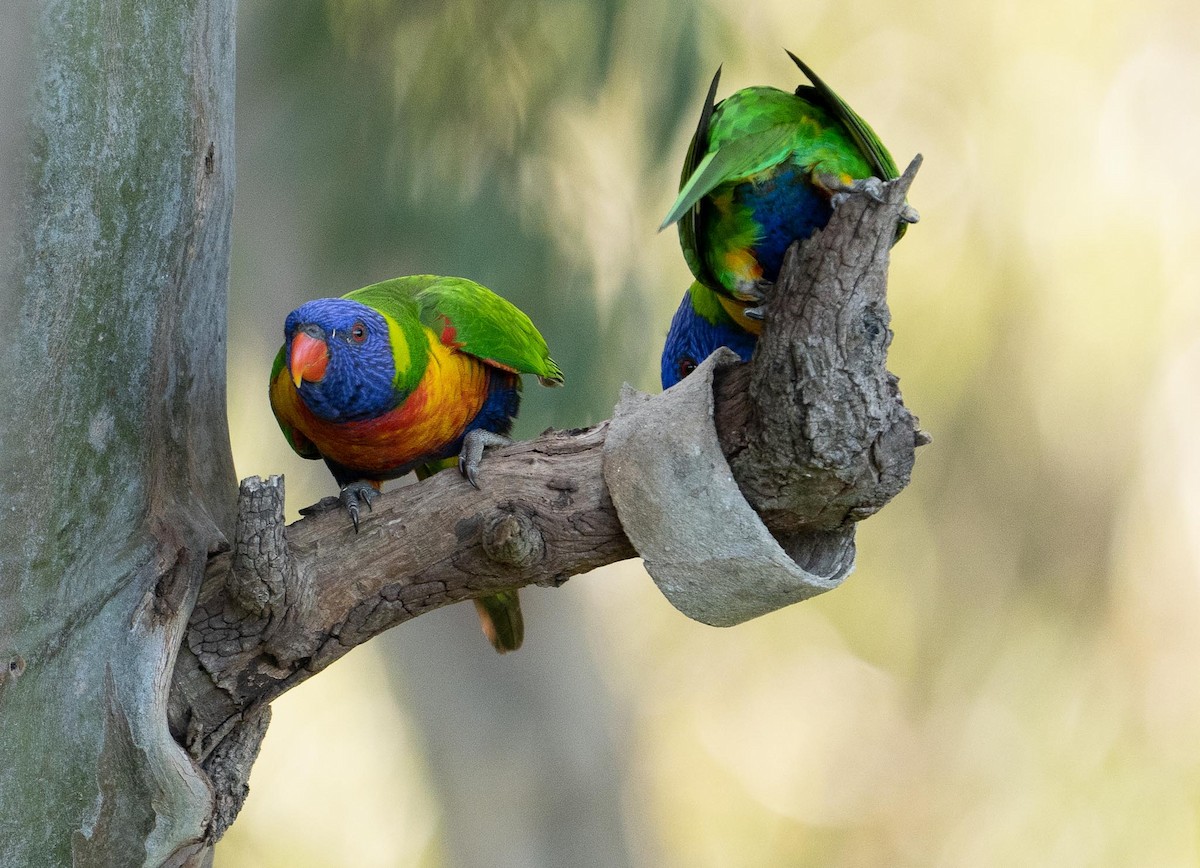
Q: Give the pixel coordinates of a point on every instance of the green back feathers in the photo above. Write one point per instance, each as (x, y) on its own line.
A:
(707, 305)
(462, 314)
(882, 164)
(758, 127)
(752, 150)
(868, 142)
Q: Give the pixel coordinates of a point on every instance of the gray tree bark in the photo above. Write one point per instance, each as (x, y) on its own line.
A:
(144, 628)
(117, 472)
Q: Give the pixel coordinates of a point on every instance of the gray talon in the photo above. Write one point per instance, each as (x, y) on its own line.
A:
(470, 471)
(353, 493)
(471, 452)
(756, 291)
(908, 214)
(756, 313)
(871, 187)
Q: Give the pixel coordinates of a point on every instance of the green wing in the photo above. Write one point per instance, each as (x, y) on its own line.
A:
(469, 316)
(860, 131)
(488, 327)
(754, 129)
(754, 135)
(739, 158)
(690, 228)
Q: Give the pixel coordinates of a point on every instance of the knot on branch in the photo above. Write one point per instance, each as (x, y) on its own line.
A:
(512, 539)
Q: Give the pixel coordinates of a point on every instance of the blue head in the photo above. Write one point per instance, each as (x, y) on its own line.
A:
(694, 336)
(340, 355)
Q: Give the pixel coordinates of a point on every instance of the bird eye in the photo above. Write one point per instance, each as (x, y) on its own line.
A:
(358, 333)
(686, 365)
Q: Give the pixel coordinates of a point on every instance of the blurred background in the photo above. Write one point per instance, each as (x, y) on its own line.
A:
(1011, 677)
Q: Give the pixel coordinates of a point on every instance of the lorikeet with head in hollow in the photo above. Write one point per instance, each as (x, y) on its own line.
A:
(704, 321)
(413, 373)
(764, 169)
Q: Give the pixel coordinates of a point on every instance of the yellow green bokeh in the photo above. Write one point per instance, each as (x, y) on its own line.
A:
(1012, 675)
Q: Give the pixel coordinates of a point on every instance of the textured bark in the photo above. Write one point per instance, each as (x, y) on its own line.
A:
(116, 457)
(815, 430)
(543, 515)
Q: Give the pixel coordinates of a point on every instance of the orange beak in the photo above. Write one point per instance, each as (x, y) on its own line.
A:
(309, 358)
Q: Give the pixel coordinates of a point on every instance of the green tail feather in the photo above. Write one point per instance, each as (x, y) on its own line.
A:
(426, 470)
(500, 614)
(500, 617)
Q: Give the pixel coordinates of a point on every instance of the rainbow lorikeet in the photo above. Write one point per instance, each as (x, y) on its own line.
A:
(764, 169)
(413, 373)
(704, 321)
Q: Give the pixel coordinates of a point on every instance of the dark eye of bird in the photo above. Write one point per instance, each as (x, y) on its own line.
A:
(686, 365)
(358, 333)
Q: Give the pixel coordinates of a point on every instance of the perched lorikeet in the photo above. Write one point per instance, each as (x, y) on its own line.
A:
(764, 169)
(704, 321)
(408, 374)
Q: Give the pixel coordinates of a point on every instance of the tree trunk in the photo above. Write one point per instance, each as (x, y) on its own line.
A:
(117, 470)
